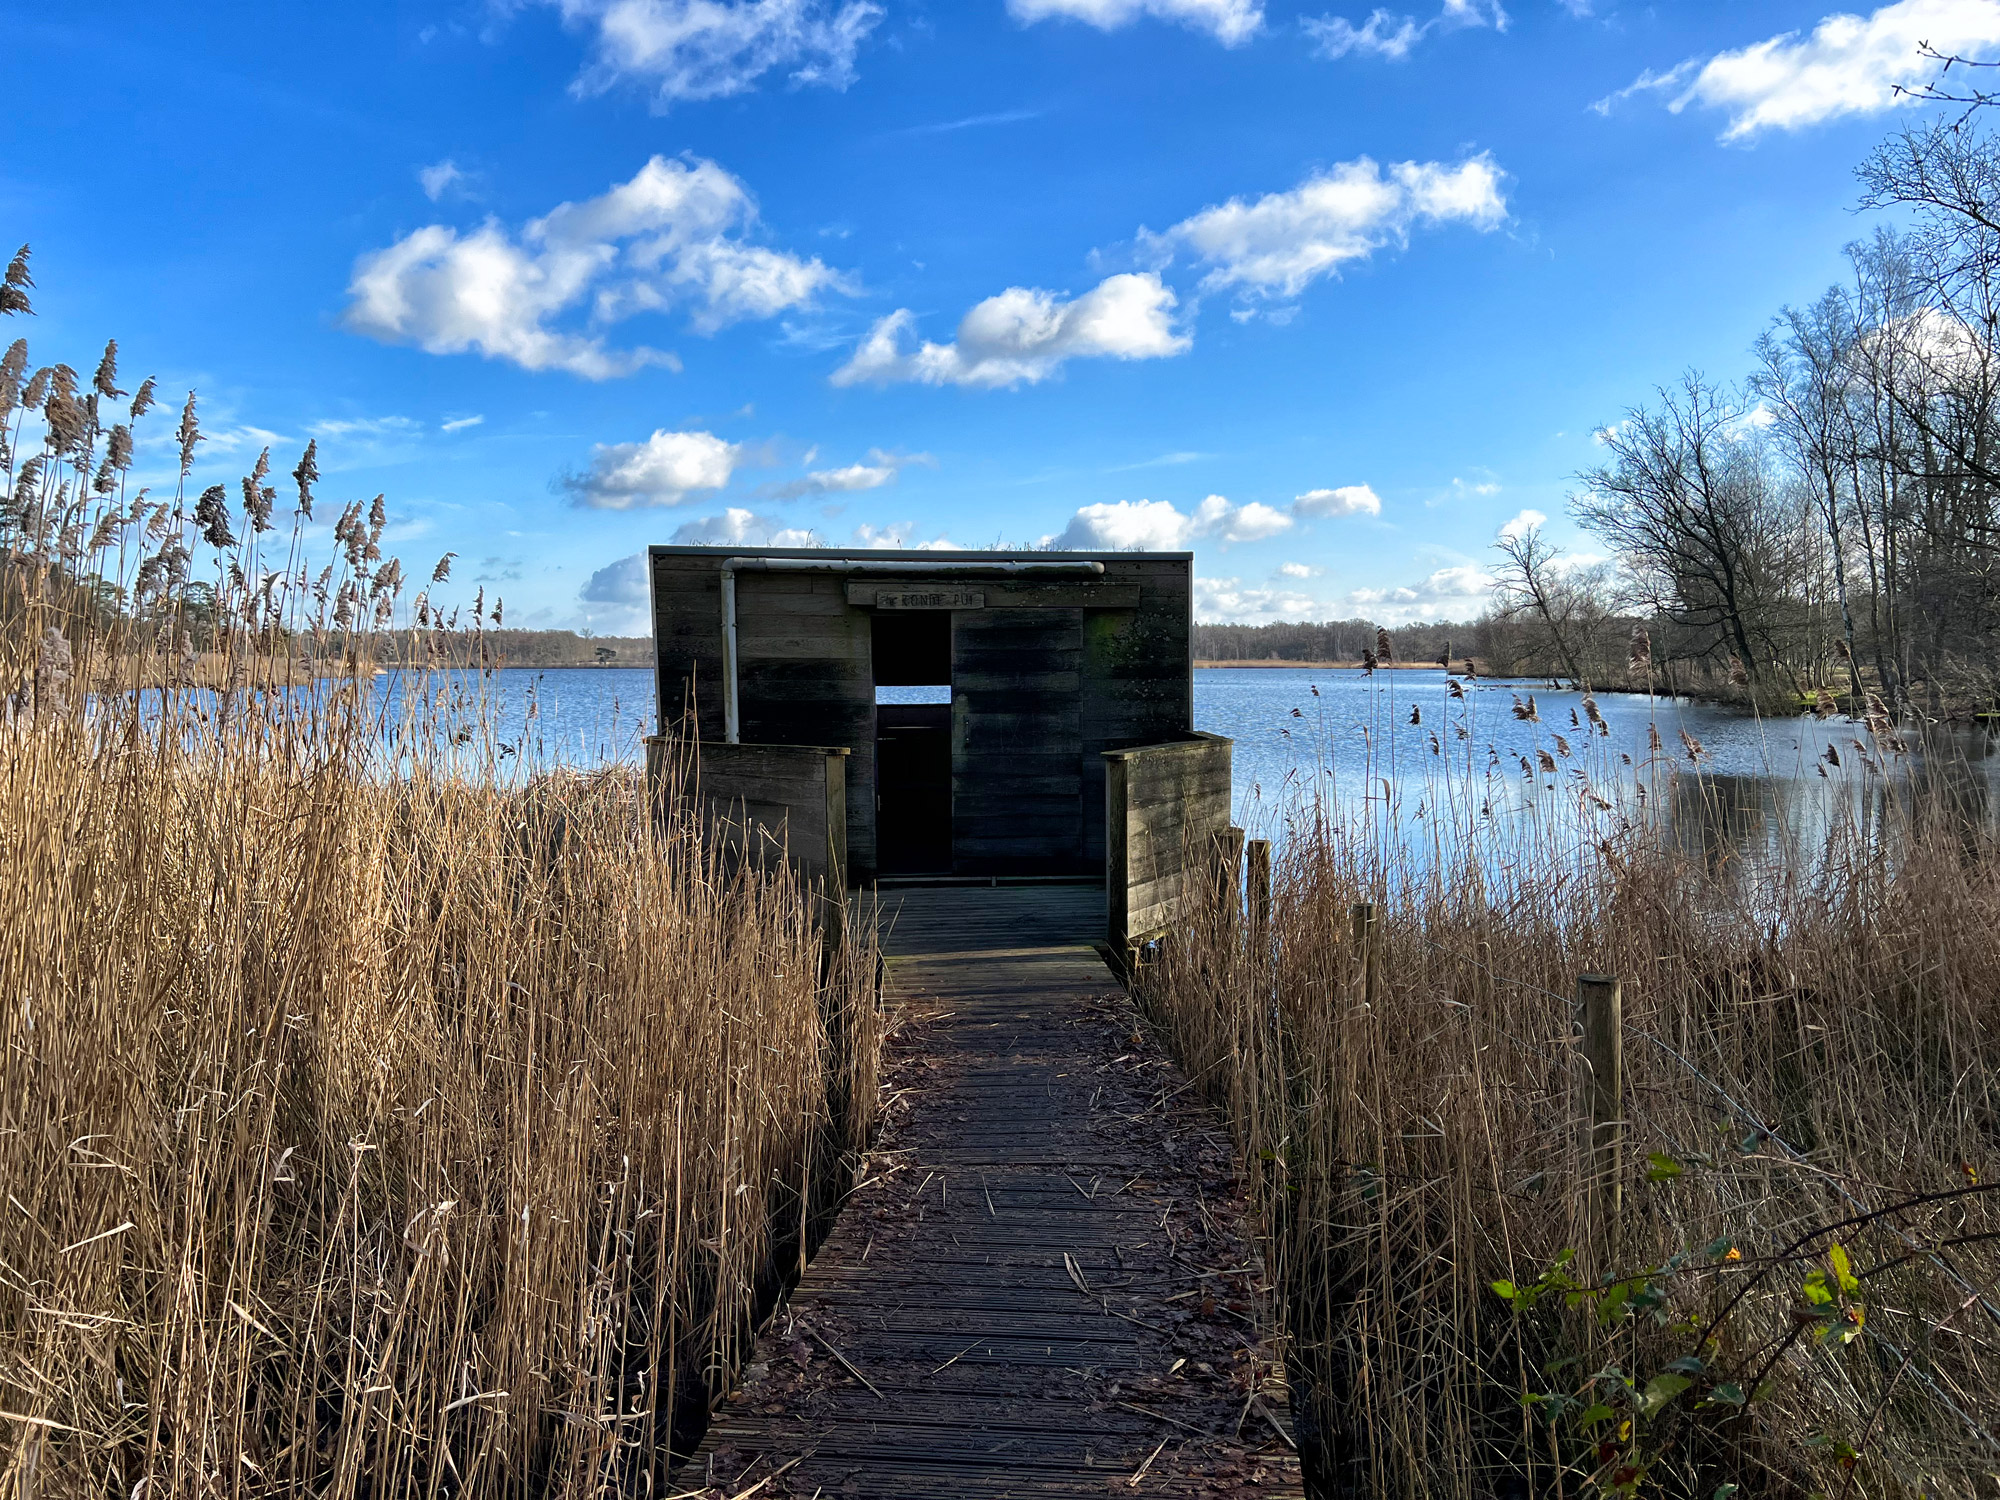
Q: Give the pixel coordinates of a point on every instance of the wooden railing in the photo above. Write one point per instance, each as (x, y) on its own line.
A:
(765, 803)
(1166, 811)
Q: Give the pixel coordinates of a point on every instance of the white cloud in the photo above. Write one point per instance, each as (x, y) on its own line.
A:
(901, 534)
(664, 470)
(1126, 526)
(1521, 525)
(1298, 570)
(459, 424)
(881, 468)
(1157, 526)
(675, 235)
(710, 49)
(743, 528)
(438, 177)
(1847, 65)
(1449, 593)
(1226, 601)
(1239, 523)
(1348, 500)
(1385, 34)
(617, 599)
(1231, 22)
(1025, 335)
(1277, 245)
(365, 427)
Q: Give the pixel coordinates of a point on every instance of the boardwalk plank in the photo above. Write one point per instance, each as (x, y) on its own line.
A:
(1034, 1135)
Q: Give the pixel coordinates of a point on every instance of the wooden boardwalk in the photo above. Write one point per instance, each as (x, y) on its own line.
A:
(1042, 1287)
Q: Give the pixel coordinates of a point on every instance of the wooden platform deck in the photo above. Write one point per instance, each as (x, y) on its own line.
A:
(1042, 1287)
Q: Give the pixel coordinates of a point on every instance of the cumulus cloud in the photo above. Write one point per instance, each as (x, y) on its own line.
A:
(1024, 335)
(665, 469)
(1276, 245)
(1225, 601)
(902, 534)
(1157, 526)
(675, 236)
(684, 50)
(1846, 65)
(1449, 593)
(880, 469)
(439, 177)
(1521, 525)
(1231, 22)
(1348, 500)
(1385, 34)
(736, 527)
(1298, 570)
(617, 599)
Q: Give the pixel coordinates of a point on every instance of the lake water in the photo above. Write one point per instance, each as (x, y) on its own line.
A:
(1406, 750)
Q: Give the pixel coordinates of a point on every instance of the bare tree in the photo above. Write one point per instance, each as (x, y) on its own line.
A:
(1559, 605)
(1806, 375)
(1688, 507)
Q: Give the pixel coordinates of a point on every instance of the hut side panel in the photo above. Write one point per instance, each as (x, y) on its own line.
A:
(772, 802)
(1164, 805)
(1137, 665)
(1017, 741)
(805, 676)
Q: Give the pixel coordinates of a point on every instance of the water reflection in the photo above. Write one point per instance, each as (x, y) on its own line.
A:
(1506, 766)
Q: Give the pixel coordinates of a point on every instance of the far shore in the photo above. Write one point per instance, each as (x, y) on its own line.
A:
(1380, 666)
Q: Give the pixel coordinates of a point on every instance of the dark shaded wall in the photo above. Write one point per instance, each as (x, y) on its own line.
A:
(1047, 675)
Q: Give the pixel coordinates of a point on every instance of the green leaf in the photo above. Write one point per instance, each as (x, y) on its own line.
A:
(1592, 1415)
(1507, 1291)
(1815, 1289)
(1843, 1270)
(1719, 1248)
(1728, 1395)
(1660, 1390)
(1688, 1364)
(1724, 1491)
(1661, 1167)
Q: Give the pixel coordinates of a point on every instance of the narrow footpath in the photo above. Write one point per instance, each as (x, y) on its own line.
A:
(1042, 1286)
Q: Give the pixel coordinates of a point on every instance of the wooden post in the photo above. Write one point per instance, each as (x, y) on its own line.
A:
(1118, 860)
(1228, 869)
(1362, 913)
(1258, 895)
(833, 930)
(1601, 1013)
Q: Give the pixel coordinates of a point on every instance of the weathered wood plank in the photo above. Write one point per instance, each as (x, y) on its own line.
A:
(1038, 1134)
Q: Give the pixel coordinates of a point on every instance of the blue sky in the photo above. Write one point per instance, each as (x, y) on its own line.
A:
(1328, 295)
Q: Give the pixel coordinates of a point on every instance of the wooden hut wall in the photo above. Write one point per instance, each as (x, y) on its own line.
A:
(687, 642)
(1138, 685)
(1047, 675)
(1017, 741)
(805, 677)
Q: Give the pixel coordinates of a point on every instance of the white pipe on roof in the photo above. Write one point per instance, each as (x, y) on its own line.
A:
(732, 565)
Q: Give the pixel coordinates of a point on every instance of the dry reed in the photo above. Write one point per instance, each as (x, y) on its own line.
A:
(377, 1116)
(1802, 1292)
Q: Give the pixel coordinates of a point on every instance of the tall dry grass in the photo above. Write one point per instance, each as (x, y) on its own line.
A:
(378, 1116)
(386, 1136)
(1803, 1292)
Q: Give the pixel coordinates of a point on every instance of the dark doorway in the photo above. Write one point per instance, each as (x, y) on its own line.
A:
(913, 788)
(912, 652)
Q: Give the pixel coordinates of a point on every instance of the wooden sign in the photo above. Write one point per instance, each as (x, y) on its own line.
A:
(929, 599)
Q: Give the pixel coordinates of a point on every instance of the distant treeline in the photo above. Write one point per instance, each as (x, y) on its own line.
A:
(1329, 640)
(529, 648)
